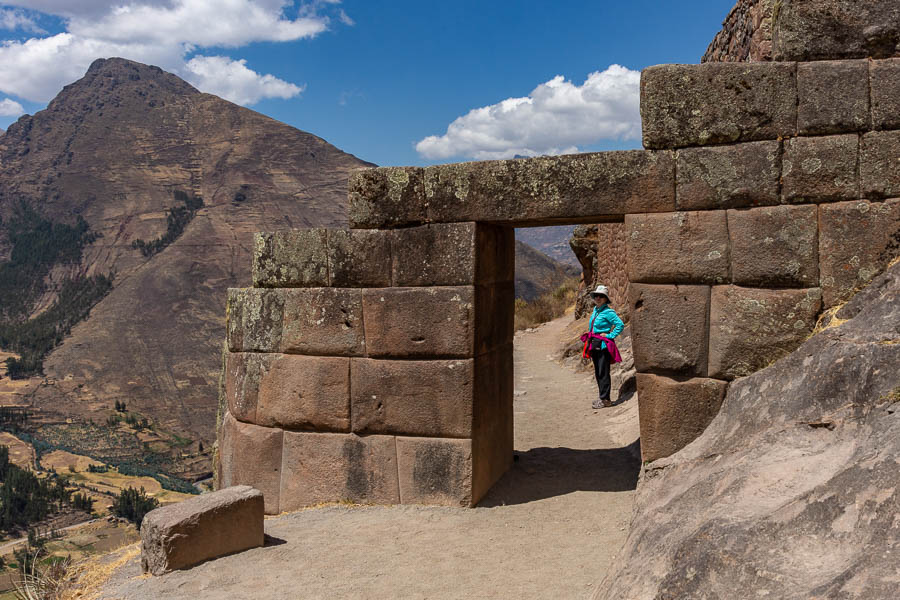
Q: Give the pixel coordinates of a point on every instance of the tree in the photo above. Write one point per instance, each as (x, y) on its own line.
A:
(133, 504)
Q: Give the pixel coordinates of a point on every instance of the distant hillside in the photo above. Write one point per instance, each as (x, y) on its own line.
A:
(552, 241)
(537, 273)
(166, 186)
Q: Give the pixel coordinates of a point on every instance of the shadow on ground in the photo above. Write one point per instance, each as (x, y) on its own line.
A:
(542, 473)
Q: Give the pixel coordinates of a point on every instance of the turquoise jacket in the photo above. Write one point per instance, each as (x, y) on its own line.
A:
(607, 322)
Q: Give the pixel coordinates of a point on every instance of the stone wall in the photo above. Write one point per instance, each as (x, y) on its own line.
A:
(375, 364)
(600, 249)
(746, 34)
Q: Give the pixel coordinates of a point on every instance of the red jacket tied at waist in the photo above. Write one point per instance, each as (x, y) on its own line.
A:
(610, 346)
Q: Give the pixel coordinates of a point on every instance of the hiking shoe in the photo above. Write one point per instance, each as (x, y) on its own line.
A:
(597, 404)
(607, 402)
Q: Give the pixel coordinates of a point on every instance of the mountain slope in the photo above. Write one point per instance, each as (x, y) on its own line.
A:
(119, 148)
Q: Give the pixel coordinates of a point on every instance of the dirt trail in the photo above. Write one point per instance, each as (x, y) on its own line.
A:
(548, 529)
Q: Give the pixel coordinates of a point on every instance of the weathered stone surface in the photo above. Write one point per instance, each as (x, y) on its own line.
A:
(495, 316)
(808, 30)
(799, 464)
(251, 455)
(301, 392)
(717, 103)
(539, 190)
(746, 34)
(884, 82)
(834, 96)
(600, 248)
(322, 321)
(412, 397)
(492, 427)
(674, 412)
(438, 254)
(751, 328)
(775, 246)
(253, 320)
(386, 197)
(359, 258)
(436, 322)
(669, 327)
(820, 169)
(315, 321)
(333, 467)
(296, 258)
(683, 247)
(181, 535)
(879, 164)
(435, 471)
(242, 371)
(730, 176)
(857, 240)
(495, 254)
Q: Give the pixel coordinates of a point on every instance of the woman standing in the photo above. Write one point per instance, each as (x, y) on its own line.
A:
(605, 325)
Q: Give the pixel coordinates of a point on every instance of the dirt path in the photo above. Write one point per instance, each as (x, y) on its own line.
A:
(548, 529)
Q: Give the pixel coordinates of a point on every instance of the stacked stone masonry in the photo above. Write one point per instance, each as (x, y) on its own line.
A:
(375, 364)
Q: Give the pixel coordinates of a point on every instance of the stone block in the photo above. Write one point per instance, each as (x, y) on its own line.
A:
(879, 164)
(387, 197)
(495, 254)
(751, 328)
(495, 316)
(833, 95)
(730, 176)
(253, 320)
(412, 397)
(433, 322)
(438, 254)
(300, 392)
(242, 371)
(184, 534)
(884, 82)
(322, 321)
(857, 240)
(333, 467)
(547, 189)
(674, 412)
(435, 471)
(717, 103)
(682, 247)
(359, 258)
(820, 169)
(808, 30)
(775, 246)
(251, 455)
(669, 330)
(492, 427)
(296, 258)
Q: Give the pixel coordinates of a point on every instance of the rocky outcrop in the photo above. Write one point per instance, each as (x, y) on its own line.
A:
(791, 492)
(786, 30)
(181, 535)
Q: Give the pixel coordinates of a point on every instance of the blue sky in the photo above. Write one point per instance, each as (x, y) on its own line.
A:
(378, 78)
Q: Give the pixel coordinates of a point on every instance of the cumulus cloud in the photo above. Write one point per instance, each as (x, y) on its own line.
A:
(555, 118)
(10, 108)
(232, 80)
(167, 33)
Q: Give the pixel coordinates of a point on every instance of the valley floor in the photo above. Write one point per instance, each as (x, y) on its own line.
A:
(549, 529)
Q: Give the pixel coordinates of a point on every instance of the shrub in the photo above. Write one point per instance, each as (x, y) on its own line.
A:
(546, 307)
(133, 504)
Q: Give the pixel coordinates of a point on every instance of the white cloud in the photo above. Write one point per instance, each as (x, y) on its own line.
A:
(11, 19)
(555, 118)
(232, 80)
(10, 108)
(165, 33)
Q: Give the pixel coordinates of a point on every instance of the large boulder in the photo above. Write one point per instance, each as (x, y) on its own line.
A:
(792, 491)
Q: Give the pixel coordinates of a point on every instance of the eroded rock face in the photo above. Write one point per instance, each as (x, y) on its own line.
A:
(792, 491)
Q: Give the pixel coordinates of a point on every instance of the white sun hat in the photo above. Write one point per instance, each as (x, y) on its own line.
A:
(601, 290)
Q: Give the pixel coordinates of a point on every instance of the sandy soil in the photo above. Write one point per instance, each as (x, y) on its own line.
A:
(548, 529)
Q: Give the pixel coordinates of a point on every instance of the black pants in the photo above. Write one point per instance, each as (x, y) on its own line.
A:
(601, 360)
